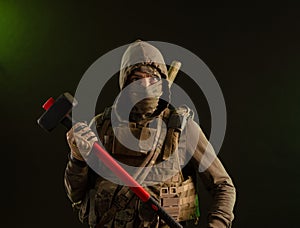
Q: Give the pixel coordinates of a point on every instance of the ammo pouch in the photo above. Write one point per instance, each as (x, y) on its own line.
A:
(180, 201)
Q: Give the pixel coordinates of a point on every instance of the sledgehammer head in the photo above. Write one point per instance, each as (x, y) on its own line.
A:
(57, 112)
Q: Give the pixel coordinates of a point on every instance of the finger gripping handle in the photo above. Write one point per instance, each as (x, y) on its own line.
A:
(163, 214)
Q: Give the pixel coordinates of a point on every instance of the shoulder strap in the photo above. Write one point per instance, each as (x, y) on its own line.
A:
(102, 121)
(176, 124)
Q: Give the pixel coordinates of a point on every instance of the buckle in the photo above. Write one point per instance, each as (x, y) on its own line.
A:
(173, 190)
(164, 191)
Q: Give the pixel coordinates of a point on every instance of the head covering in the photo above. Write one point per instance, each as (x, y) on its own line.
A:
(138, 54)
(143, 57)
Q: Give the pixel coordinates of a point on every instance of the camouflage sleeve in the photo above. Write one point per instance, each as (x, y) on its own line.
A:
(76, 180)
(214, 176)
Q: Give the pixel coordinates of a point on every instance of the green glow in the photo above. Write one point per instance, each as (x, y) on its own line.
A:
(11, 28)
(22, 36)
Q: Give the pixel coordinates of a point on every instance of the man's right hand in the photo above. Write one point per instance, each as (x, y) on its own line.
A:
(81, 139)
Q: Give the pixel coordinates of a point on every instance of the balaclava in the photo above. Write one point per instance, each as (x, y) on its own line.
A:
(142, 57)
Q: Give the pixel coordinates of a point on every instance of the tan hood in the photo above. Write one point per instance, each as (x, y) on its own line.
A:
(141, 53)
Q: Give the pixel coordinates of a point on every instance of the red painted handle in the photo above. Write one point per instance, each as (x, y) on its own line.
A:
(118, 170)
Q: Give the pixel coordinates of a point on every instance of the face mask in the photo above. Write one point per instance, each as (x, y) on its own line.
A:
(144, 99)
(140, 100)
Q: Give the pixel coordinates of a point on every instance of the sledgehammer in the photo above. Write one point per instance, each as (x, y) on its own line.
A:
(59, 112)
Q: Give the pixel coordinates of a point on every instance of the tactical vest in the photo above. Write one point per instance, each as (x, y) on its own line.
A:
(177, 196)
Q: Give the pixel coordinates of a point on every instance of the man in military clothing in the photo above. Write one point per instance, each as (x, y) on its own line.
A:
(103, 203)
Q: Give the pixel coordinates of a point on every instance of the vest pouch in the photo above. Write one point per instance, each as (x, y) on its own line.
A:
(140, 141)
(187, 200)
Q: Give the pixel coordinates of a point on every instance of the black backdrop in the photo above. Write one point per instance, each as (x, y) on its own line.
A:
(253, 52)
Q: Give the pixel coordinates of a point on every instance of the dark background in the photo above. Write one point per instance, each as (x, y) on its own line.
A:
(45, 48)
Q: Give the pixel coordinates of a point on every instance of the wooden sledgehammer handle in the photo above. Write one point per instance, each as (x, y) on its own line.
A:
(173, 70)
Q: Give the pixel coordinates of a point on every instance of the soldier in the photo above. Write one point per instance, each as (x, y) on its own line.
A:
(103, 203)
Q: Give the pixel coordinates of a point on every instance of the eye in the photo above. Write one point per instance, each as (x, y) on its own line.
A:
(154, 79)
